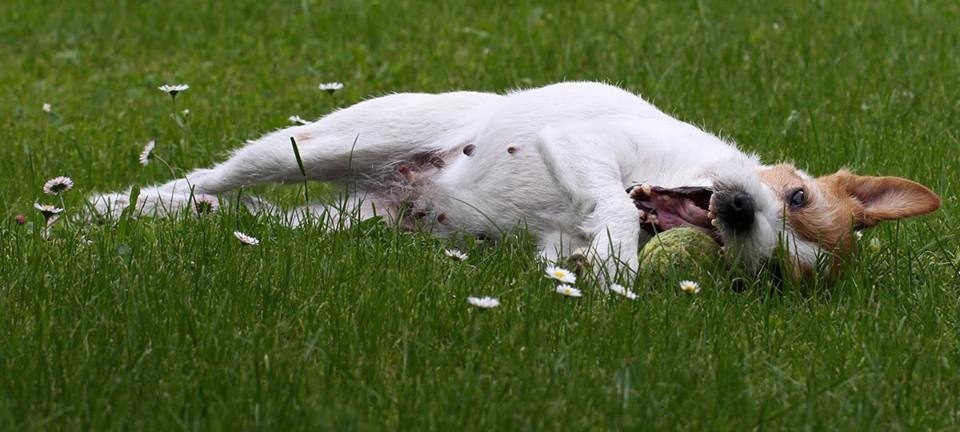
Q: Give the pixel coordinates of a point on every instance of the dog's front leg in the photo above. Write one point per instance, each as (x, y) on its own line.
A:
(585, 163)
(616, 232)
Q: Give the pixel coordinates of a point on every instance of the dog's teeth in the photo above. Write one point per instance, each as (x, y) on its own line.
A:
(647, 189)
(643, 214)
(714, 222)
(710, 214)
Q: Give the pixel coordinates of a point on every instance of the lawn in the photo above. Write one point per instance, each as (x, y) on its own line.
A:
(171, 324)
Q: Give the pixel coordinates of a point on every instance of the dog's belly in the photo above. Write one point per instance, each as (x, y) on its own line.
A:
(500, 181)
(494, 190)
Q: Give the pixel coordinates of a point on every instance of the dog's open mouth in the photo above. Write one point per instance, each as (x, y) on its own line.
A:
(662, 209)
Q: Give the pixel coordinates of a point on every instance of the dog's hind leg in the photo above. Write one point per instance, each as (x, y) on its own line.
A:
(339, 214)
(358, 145)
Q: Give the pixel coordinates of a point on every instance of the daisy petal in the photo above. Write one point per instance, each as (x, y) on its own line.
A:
(483, 302)
(173, 89)
(147, 152)
(568, 291)
(246, 240)
(561, 274)
(690, 287)
(455, 254)
(620, 289)
(57, 185)
(331, 87)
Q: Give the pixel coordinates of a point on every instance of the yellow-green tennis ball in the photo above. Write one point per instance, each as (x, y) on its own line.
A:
(684, 251)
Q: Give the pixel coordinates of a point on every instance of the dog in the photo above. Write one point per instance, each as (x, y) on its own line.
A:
(583, 166)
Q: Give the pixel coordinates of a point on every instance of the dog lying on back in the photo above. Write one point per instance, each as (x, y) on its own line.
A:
(556, 160)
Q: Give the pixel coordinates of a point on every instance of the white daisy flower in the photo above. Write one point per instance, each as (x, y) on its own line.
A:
(484, 302)
(331, 87)
(204, 204)
(186, 112)
(620, 289)
(245, 239)
(689, 287)
(173, 89)
(561, 274)
(295, 119)
(47, 108)
(456, 255)
(47, 210)
(147, 152)
(568, 291)
(57, 185)
(85, 241)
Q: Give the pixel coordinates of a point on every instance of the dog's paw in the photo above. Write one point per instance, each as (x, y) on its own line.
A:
(579, 262)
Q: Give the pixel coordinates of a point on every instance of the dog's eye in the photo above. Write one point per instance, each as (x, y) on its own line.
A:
(797, 198)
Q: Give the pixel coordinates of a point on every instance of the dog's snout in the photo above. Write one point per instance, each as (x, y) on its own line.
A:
(737, 210)
(742, 202)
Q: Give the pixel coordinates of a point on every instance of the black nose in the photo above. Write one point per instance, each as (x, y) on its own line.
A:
(736, 211)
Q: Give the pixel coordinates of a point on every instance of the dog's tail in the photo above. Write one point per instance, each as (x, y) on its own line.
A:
(362, 145)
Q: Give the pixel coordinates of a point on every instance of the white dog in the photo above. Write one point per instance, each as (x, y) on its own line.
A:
(555, 160)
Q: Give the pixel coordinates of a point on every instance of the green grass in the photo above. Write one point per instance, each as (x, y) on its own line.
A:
(170, 324)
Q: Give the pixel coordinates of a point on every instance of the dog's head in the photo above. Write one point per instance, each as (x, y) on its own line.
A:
(761, 213)
(810, 220)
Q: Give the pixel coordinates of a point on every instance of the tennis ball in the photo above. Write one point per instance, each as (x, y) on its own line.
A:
(683, 250)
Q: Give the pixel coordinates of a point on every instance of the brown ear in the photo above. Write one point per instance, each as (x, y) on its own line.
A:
(886, 198)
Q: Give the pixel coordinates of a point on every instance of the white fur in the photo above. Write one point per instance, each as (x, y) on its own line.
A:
(576, 147)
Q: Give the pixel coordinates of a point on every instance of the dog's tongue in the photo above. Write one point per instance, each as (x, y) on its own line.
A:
(665, 208)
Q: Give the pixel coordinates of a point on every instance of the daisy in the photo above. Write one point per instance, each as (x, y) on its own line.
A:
(295, 119)
(620, 289)
(484, 302)
(568, 291)
(57, 185)
(689, 287)
(245, 239)
(331, 87)
(455, 254)
(147, 152)
(47, 108)
(561, 274)
(205, 204)
(47, 210)
(172, 90)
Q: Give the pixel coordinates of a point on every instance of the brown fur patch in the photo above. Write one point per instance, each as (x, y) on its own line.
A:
(838, 203)
(884, 198)
(825, 218)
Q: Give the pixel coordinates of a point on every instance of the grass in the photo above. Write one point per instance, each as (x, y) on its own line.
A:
(171, 324)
